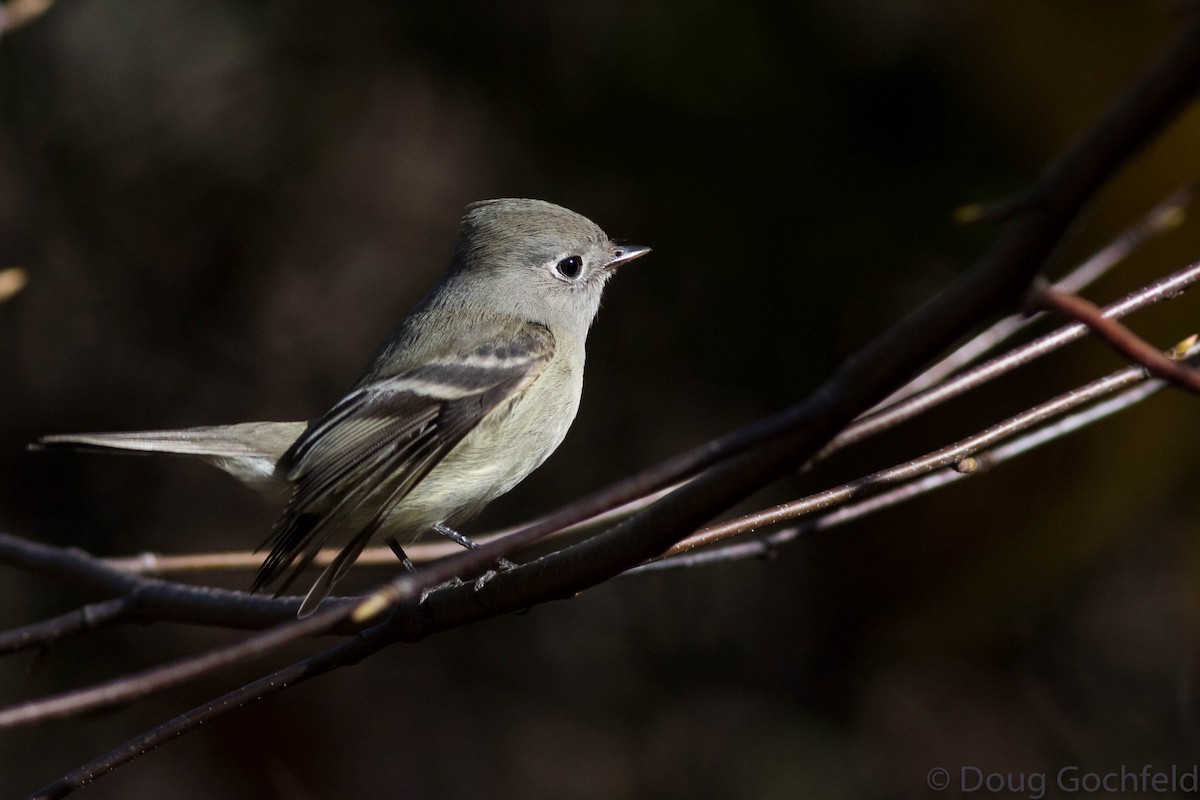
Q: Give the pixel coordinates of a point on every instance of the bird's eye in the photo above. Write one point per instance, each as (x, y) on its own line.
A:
(569, 267)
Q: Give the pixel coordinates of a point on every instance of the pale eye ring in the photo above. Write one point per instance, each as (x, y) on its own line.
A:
(570, 267)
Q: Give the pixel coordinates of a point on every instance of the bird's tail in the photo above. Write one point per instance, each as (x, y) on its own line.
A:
(248, 451)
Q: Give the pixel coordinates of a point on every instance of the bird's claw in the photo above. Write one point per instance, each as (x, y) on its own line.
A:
(483, 579)
(447, 584)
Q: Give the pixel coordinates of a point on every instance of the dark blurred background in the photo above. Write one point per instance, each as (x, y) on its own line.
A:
(223, 207)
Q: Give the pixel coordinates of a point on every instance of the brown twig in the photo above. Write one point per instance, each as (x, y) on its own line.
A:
(141, 684)
(951, 455)
(768, 544)
(997, 210)
(91, 617)
(886, 418)
(344, 653)
(1122, 339)
(12, 281)
(148, 599)
(18, 13)
(150, 563)
(1165, 216)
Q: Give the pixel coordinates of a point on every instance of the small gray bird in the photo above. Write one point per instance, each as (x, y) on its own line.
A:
(474, 390)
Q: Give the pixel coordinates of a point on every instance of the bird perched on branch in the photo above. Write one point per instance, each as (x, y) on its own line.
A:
(471, 393)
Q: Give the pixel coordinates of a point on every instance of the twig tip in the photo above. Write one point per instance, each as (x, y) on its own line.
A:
(969, 214)
(373, 606)
(1180, 350)
(12, 281)
(1169, 217)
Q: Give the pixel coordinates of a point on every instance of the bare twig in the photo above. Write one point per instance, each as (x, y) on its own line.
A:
(141, 684)
(944, 457)
(47, 632)
(349, 652)
(1122, 339)
(767, 545)
(18, 13)
(997, 210)
(1165, 216)
(151, 599)
(12, 281)
(150, 563)
(886, 418)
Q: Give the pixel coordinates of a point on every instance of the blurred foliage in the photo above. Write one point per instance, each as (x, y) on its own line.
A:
(222, 207)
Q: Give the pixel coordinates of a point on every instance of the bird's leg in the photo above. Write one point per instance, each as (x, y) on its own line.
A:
(405, 561)
(463, 541)
(503, 563)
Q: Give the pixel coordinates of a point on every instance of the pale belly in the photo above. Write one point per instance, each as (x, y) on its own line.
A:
(489, 462)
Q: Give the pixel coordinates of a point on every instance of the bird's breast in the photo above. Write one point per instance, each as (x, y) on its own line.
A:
(508, 444)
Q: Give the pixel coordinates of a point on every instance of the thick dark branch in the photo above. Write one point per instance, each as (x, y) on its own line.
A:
(71, 566)
(144, 599)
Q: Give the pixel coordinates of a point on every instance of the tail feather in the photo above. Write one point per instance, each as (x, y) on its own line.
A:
(248, 451)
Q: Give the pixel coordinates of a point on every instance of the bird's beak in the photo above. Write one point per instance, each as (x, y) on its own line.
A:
(624, 253)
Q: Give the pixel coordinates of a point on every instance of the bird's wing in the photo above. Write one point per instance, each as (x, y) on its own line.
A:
(369, 451)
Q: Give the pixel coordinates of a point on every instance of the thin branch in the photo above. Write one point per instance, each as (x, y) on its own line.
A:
(767, 545)
(19, 13)
(343, 654)
(870, 424)
(151, 563)
(1166, 216)
(952, 454)
(1122, 339)
(95, 616)
(152, 599)
(995, 211)
(12, 281)
(162, 601)
(141, 684)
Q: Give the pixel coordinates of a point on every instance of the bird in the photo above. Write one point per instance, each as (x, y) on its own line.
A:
(472, 392)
